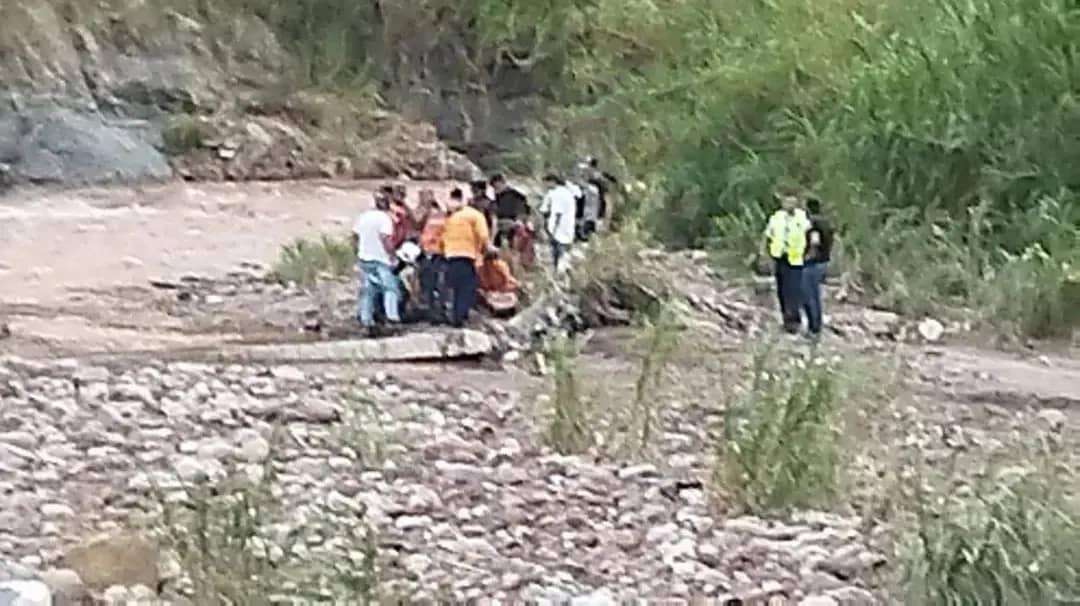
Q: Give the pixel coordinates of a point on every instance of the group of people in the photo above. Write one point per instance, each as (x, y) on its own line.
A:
(799, 240)
(437, 261)
(433, 262)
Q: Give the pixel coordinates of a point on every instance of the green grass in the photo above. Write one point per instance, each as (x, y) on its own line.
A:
(658, 341)
(1014, 542)
(304, 261)
(183, 133)
(780, 447)
(225, 535)
(569, 426)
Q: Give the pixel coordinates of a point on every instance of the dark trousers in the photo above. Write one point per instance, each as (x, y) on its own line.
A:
(813, 276)
(789, 292)
(461, 281)
(432, 286)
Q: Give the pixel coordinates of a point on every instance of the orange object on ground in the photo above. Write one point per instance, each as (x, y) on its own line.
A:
(494, 275)
(497, 287)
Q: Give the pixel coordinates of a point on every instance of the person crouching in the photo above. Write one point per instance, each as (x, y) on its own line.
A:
(498, 288)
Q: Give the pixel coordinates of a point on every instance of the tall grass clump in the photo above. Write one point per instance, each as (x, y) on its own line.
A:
(780, 443)
(1016, 542)
(227, 536)
(658, 342)
(303, 261)
(569, 426)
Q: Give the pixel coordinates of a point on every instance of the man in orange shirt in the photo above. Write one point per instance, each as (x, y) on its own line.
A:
(466, 239)
(432, 263)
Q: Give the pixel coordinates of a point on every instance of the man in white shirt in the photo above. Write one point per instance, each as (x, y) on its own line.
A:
(561, 210)
(373, 241)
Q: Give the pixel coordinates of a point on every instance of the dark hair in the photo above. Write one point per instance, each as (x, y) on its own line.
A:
(497, 178)
(813, 204)
(478, 184)
(552, 178)
(456, 193)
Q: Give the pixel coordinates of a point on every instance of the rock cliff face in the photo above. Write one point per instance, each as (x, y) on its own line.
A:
(89, 91)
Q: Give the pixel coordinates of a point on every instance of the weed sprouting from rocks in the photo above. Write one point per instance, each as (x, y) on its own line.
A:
(1015, 541)
(303, 261)
(238, 541)
(658, 343)
(780, 446)
(569, 427)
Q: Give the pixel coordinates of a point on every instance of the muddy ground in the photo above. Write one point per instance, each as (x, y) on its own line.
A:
(127, 278)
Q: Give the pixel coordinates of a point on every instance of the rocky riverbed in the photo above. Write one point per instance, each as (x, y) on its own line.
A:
(465, 501)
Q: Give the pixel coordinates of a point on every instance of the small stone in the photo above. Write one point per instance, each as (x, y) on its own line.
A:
(142, 593)
(116, 595)
(251, 446)
(122, 559)
(818, 600)
(288, 374)
(1053, 419)
(25, 593)
(67, 587)
(931, 330)
(852, 596)
(57, 510)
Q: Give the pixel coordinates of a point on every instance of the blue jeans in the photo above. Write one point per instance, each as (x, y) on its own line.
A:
(813, 276)
(558, 251)
(789, 293)
(461, 281)
(432, 285)
(377, 278)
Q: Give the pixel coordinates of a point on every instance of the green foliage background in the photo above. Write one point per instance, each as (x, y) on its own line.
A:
(944, 135)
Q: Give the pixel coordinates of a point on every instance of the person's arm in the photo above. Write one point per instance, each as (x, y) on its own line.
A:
(354, 243)
(386, 235)
(483, 236)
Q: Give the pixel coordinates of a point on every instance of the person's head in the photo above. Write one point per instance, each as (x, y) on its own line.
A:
(426, 197)
(551, 180)
(478, 188)
(787, 198)
(498, 183)
(457, 199)
(382, 200)
(398, 193)
(813, 204)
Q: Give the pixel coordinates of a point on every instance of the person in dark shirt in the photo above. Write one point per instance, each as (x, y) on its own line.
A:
(604, 183)
(511, 208)
(819, 240)
(481, 202)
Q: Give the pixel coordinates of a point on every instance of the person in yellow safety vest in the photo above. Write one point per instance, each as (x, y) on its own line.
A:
(785, 244)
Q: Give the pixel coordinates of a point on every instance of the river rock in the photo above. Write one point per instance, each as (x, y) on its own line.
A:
(67, 587)
(25, 593)
(123, 559)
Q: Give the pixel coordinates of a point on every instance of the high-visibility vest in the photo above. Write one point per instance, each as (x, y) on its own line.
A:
(786, 233)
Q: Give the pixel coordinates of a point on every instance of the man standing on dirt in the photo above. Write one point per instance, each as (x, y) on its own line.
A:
(466, 240)
(561, 209)
(785, 244)
(373, 243)
(819, 248)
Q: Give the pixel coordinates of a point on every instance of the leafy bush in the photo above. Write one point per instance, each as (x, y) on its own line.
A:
(1017, 542)
(780, 440)
(183, 133)
(304, 261)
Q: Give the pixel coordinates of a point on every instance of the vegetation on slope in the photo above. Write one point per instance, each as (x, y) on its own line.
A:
(940, 134)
